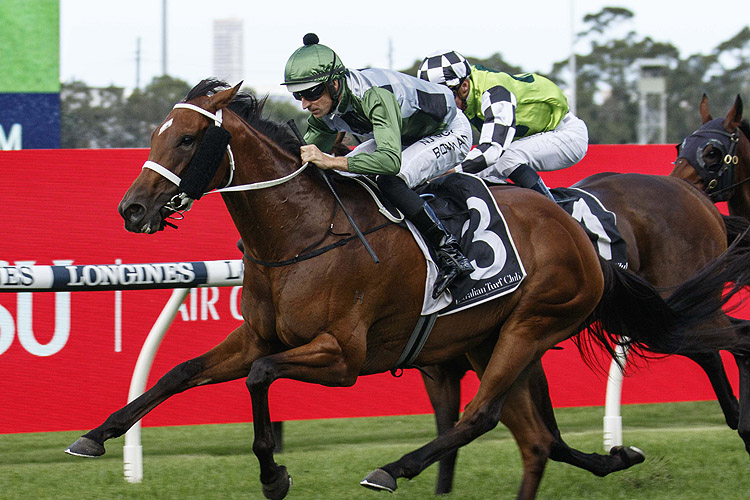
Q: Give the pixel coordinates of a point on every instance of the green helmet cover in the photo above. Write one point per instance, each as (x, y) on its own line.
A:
(311, 64)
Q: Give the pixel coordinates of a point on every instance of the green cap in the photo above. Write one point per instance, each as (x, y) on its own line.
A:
(311, 64)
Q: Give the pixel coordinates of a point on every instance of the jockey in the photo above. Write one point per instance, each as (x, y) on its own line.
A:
(411, 129)
(524, 121)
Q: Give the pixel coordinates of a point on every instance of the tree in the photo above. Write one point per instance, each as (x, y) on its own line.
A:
(145, 109)
(89, 116)
(105, 118)
(607, 78)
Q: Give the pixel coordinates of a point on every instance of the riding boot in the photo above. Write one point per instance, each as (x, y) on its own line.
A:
(452, 263)
(525, 176)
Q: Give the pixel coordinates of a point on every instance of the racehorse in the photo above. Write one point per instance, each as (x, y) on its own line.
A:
(331, 318)
(716, 159)
(671, 230)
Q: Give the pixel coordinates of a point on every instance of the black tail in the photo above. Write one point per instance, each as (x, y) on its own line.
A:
(737, 227)
(633, 313)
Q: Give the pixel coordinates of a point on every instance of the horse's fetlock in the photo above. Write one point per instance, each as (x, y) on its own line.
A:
(263, 445)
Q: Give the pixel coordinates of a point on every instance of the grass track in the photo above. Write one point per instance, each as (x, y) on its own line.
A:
(690, 454)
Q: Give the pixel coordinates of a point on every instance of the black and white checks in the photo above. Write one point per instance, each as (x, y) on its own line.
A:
(449, 68)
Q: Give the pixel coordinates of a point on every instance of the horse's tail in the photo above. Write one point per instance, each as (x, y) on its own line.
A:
(633, 313)
(737, 229)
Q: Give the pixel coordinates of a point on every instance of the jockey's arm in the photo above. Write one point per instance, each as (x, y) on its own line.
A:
(383, 111)
(498, 129)
(311, 153)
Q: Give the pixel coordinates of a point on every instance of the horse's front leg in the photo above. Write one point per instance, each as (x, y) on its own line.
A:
(743, 426)
(321, 361)
(443, 385)
(229, 360)
(743, 366)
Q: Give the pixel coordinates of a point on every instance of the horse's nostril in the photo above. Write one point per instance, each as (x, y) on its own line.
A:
(133, 212)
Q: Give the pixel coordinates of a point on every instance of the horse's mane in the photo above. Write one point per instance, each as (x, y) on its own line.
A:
(745, 127)
(250, 109)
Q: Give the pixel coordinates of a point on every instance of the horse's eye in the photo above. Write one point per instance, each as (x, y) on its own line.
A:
(187, 140)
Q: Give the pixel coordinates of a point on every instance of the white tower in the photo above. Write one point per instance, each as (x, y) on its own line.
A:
(228, 55)
(652, 100)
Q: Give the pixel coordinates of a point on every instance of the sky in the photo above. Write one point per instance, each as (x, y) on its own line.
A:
(98, 38)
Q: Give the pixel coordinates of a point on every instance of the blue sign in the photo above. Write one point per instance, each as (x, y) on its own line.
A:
(29, 121)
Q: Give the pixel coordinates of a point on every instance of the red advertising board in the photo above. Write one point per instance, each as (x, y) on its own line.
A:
(66, 358)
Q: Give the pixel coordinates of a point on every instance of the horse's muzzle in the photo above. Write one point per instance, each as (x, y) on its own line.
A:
(138, 218)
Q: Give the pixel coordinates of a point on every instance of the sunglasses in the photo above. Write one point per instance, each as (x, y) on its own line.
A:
(311, 94)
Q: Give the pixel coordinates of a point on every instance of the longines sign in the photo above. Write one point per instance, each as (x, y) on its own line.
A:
(25, 276)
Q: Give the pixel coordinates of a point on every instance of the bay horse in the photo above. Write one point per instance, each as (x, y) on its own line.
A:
(716, 160)
(332, 318)
(671, 231)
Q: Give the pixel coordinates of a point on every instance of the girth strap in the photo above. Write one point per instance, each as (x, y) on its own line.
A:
(414, 346)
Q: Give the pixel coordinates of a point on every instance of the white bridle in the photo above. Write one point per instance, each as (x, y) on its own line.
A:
(181, 200)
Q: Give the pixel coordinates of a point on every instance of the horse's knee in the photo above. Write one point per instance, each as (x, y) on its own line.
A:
(482, 420)
(261, 374)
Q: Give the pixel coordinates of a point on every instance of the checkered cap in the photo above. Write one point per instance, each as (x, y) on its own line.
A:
(449, 68)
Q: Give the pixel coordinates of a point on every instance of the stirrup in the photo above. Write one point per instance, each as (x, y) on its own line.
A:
(445, 278)
(451, 266)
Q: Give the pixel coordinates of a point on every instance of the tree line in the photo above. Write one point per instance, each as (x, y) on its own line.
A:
(607, 96)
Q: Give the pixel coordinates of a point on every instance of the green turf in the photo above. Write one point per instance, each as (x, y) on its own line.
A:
(690, 454)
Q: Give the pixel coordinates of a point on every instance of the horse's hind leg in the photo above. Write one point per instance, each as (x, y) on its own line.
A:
(712, 364)
(528, 402)
(443, 385)
(229, 360)
(619, 458)
(481, 415)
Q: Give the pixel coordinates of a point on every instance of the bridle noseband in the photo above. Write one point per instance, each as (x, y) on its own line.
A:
(182, 202)
(718, 177)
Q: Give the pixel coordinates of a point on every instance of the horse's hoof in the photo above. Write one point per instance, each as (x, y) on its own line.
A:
(85, 447)
(630, 455)
(379, 480)
(279, 487)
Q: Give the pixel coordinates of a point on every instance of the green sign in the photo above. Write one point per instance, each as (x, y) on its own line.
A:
(29, 46)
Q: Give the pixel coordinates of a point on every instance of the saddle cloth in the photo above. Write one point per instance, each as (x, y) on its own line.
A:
(469, 212)
(598, 222)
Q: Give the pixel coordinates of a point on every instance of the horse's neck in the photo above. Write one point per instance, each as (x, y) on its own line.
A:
(739, 202)
(276, 222)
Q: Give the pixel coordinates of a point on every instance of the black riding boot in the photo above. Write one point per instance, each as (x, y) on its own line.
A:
(452, 263)
(525, 176)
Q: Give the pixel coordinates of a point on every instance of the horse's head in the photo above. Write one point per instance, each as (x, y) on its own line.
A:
(189, 156)
(710, 157)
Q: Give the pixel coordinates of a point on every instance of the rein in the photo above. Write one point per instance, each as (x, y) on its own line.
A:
(182, 202)
(314, 253)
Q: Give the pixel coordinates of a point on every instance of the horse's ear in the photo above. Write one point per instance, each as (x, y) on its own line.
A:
(734, 116)
(222, 99)
(705, 112)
